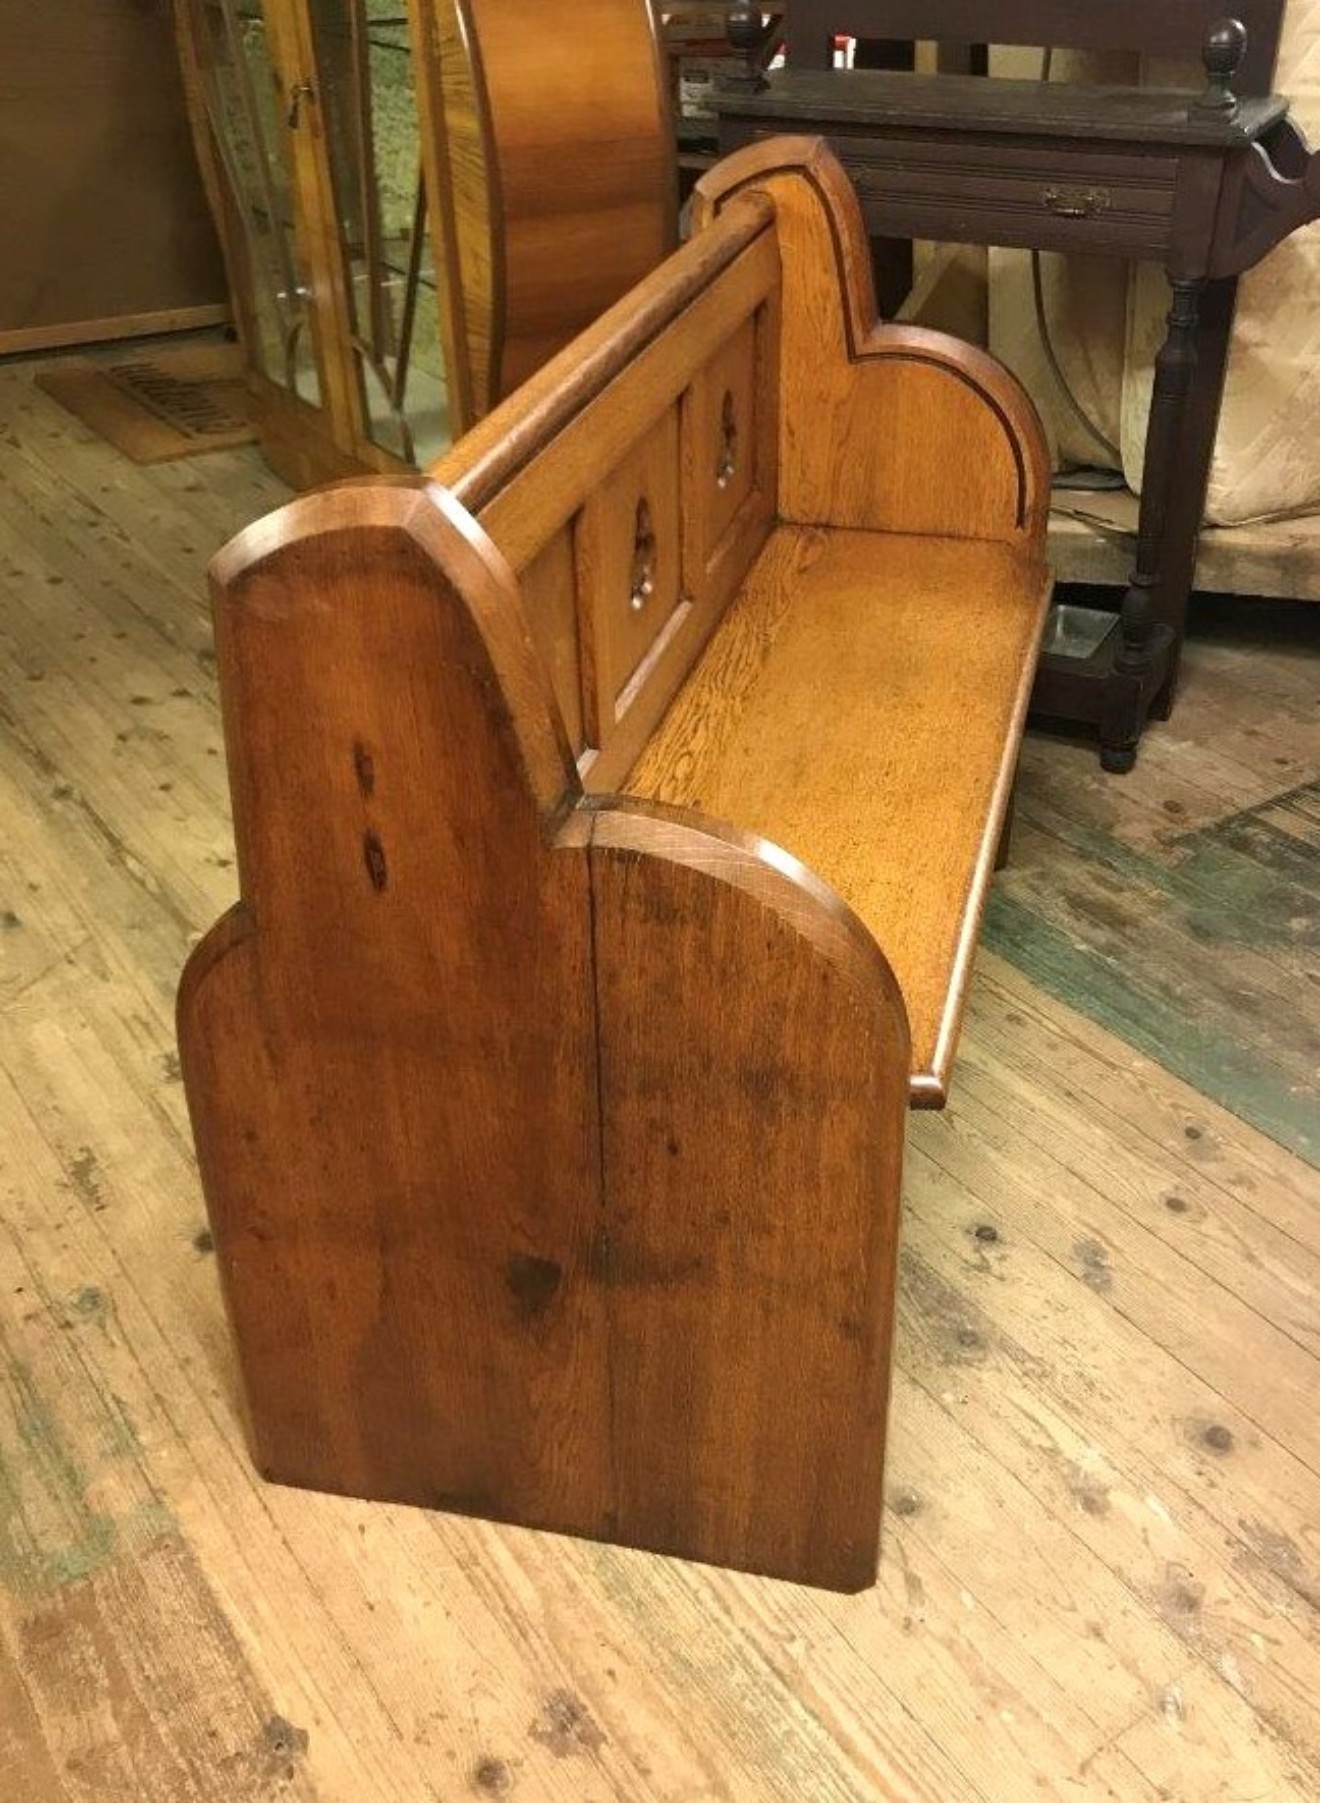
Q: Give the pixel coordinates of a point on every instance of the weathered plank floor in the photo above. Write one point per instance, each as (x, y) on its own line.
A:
(1102, 1566)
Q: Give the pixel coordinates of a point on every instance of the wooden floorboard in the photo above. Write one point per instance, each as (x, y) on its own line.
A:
(1180, 907)
(1101, 1570)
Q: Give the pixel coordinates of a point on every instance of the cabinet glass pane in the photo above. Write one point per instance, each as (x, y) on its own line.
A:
(369, 114)
(245, 112)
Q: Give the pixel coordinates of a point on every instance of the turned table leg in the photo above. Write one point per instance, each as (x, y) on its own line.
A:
(1144, 655)
(1191, 480)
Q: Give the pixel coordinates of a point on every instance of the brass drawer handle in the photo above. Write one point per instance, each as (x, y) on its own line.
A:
(1074, 203)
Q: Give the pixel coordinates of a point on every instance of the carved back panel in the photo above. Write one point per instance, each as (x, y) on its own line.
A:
(647, 485)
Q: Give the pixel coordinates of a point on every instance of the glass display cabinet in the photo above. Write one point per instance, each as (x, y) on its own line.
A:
(419, 201)
(402, 348)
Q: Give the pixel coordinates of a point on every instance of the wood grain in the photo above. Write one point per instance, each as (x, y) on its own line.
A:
(583, 164)
(875, 791)
(630, 566)
(552, 209)
(754, 1161)
(435, 1078)
(670, 322)
(552, 464)
(456, 158)
(541, 211)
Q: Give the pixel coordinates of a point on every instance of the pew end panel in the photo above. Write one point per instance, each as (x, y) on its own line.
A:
(870, 411)
(525, 1201)
(388, 1054)
(753, 1089)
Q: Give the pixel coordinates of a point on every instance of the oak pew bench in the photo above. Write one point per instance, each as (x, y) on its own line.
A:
(615, 807)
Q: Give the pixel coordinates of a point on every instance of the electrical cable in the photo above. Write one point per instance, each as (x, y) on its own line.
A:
(1047, 342)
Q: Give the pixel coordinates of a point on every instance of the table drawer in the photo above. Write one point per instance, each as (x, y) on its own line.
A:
(1045, 196)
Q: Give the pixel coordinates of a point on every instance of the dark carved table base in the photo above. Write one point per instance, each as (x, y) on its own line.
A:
(1120, 691)
(1097, 690)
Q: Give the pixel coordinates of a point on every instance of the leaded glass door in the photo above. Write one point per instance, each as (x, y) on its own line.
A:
(396, 304)
(248, 103)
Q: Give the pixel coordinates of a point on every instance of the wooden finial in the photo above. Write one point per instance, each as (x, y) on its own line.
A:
(745, 31)
(1221, 56)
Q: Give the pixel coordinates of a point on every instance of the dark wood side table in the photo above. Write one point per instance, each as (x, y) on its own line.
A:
(1202, 182)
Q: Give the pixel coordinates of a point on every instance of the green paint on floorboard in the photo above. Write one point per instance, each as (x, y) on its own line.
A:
(49, 1533)
(1244, 879)
(1287, 868)
(1113, 996)
(1248, 885)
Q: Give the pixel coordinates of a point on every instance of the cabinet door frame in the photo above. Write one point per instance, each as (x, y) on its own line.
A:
(447, 81)
(325, 271)
(336, 417)
(438, 225)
